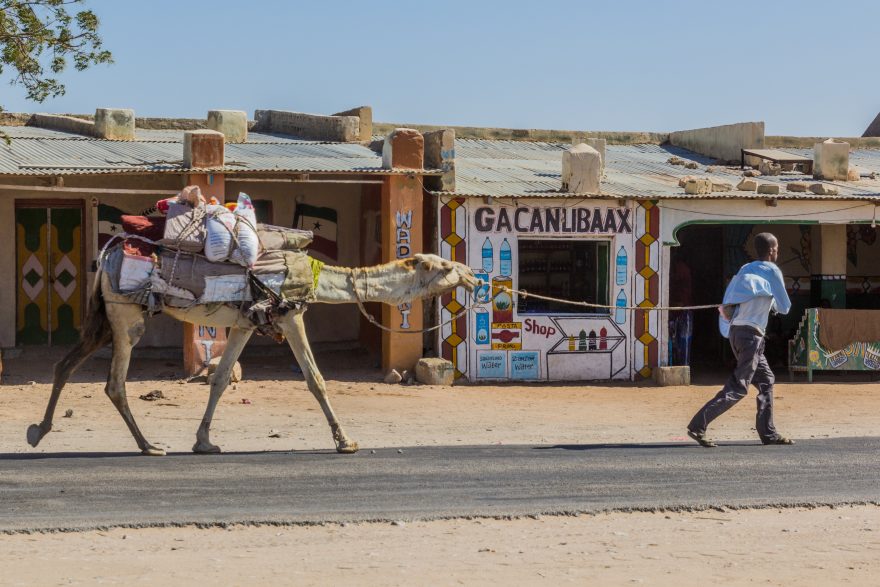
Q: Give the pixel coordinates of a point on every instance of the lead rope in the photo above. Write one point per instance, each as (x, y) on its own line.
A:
(377, 324)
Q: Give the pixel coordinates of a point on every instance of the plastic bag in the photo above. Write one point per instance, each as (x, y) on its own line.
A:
(248, 248)
(220, 226)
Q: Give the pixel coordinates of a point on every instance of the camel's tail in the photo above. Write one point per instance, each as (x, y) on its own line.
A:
(94, 334)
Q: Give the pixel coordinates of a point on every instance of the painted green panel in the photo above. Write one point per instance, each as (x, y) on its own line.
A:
(66, 332)
(32, 331)
(66, 221)
(33, 220)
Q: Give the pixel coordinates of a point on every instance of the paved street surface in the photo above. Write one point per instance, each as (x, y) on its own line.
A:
(79, 491)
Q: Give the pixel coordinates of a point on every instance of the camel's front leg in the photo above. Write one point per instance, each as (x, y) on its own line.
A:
(234, 345)
(295, 331)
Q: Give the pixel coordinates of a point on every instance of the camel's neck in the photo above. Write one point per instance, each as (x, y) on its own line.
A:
(387, 283)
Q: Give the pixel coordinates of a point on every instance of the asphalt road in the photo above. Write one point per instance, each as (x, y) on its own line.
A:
(80, 491)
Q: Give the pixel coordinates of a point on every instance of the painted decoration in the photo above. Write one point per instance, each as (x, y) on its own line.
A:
(49, 255)
(806, 353)
(506, 335)
(525, 365)
(453, 246)
(523, 342)
(491, 364)
(322, 221)
(646, 289)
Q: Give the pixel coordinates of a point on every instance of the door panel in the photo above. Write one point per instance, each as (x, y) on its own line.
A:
(49, 274)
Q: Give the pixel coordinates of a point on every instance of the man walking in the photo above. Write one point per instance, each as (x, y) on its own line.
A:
(754, 291)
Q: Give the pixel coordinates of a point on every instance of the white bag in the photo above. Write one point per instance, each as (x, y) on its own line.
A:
(248, 248)
(220, 226)
(135, 272)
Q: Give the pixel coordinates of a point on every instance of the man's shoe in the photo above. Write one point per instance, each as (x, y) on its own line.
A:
(701, 438)
(778, 440)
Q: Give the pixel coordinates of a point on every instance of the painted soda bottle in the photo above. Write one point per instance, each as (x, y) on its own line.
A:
(620, 312)
(603, 339)
(582, 341)
(592, 340)
(488, 253)
(482, 325)
(620, 267)
(506, 264)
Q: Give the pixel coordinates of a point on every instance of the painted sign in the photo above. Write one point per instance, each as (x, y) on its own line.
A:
(403, 249)
(506, 336)
(491, 365)
(525, 365)
(524, 219)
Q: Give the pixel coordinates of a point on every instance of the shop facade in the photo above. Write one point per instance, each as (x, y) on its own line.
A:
(603, 251)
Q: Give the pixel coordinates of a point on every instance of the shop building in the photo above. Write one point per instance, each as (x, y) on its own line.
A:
(506, 212)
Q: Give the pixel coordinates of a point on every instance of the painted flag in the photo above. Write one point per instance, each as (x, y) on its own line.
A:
(109, 223)
(322, 223)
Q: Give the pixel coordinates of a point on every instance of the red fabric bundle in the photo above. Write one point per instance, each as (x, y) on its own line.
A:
(149, 227)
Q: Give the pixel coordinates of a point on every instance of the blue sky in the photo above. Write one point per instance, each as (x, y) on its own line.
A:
(805, 68)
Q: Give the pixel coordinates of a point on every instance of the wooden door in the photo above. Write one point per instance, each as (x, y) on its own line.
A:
(49, 252)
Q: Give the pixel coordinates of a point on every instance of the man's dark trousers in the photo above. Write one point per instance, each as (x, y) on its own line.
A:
(751, 367)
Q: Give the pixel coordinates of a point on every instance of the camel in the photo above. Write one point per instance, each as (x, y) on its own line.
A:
(113, 319)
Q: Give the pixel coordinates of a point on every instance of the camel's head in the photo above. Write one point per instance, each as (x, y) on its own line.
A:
(437, 275)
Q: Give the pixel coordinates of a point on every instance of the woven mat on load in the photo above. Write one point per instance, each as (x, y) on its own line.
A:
(185, 278)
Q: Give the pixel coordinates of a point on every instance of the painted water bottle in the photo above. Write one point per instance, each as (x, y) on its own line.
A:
(620, 267)
(482, 326)
(488, 253)
(620, 312)
(506, 264)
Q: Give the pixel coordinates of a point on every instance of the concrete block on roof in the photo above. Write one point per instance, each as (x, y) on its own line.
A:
(747, 185)
(797, 186)
(365, 124)
(682, 181)
(115, 124)
(721, 186)
(581, 170)
(824, 189)
(440, 154)
(751, 173)
(769, 168)
(853, 174)
(64, 124)
(313, 127)
(404, 148)
(831, 160)
(599, 145)
(232, 123)
(697, 186)
(203, 148)
(768, 188)
(724, 143)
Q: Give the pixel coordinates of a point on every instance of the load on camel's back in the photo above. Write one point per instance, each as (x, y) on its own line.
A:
(161, 265)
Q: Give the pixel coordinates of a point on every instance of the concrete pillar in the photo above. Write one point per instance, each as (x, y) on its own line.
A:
(232, 123)
(114, 123)
(828, 282)
(402, 220)
(581, 170)
(831, 160)
(203, 148)
(365, 127)
(200, 343)
(440, 154)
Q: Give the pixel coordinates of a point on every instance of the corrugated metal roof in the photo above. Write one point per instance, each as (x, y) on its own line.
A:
(524, 169)
(38, 151)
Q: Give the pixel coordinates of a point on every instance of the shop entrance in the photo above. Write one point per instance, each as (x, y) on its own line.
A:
(49, 251)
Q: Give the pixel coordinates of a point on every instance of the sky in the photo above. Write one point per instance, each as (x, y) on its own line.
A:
(803, 67)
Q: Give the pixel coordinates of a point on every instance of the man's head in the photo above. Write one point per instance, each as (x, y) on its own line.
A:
(767, 247)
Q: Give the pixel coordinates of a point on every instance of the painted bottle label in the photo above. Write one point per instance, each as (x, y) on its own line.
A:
(502, 301)
(506, 260)
(488, 253)
(481, 335)
(620, 267)
(482, 291)
(620, 312)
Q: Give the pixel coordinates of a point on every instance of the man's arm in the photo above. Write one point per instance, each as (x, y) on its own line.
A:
(780, 295)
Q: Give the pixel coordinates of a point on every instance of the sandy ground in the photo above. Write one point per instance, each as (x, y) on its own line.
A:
(809, 547)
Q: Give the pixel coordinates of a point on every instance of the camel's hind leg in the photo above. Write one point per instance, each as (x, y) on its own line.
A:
(127, 321)
(234, 345)
(295, 331)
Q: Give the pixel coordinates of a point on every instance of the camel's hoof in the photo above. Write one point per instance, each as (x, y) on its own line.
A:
(153, 451)
(206, 448)
(35, 434)
(348, 448)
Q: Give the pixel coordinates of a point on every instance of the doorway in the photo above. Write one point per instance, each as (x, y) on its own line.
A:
(49, 271)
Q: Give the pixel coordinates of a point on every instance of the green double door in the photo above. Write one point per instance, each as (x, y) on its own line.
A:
(49, 272)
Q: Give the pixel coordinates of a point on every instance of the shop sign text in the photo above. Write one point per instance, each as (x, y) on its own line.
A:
(523, 219)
